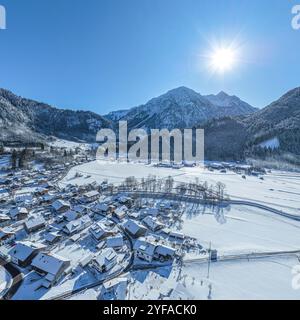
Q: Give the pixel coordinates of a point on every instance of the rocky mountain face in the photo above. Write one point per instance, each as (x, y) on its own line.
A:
(279, 122)
(181, 108)
(24, 120)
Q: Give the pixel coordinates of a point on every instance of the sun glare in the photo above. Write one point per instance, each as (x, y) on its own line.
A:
(223, 59)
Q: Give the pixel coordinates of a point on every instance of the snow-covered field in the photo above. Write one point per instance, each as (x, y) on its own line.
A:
(243, 230)
(280, 190)
(260, 279)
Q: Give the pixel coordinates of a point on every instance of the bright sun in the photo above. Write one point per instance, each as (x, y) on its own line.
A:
(223, 59)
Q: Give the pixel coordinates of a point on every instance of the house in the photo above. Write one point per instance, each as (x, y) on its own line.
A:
(152, 223)
(4, 220)
(120, 213)
(71, 215)
(154, 212)
(102, 229)
(114, 289)
(22, 196)
(149, 250)
(106, 260)
(34, 224)
(176, 237)
(52, 237)
(61, 206)
(144, 250)
(77, 225)
(164, 253)
(101, 208)
(115, 242)
(23, 253)
(134, 228)
(18, 213)
(6, 237)
(90, 196)
(51, 266)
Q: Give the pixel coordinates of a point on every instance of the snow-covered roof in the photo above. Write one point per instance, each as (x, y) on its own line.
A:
(48, 263)
(145, 246)
(91, 194)
(132, 226)
(51, 236)
(58, 204)
(34, 222)
(106, 256)
(23, 250)
(71, 215)
(16, 211)
(114, 242)
(152, 223)
(78, 224)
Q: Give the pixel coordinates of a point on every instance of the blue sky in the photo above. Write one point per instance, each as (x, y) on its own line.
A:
(103, 55)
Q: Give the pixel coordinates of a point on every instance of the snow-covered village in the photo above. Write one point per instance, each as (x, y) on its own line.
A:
(87, 229)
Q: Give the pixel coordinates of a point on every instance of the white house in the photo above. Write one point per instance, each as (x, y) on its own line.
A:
(144, 250)
(90, 196)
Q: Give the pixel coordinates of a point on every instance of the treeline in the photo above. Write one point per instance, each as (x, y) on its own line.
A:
(153, 184)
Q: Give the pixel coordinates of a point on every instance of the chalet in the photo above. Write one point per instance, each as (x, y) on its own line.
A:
(164, 253)
(34, 224)
(114, 289)
(52, 237)
(106, 260)
(61, 206)
(4, 220)
(115, 242)
(51, 266)
(102, 229)
(152, 223)
(6, 237)
(23, 253)
(134, 228)
(18, 213)
(77, 225)
(120, 213)
(90, 196)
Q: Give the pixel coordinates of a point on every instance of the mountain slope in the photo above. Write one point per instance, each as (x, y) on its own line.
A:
(27, 120)
(181, 108)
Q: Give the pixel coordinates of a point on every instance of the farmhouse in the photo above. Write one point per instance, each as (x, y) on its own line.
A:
(23, 253)
(52, 266)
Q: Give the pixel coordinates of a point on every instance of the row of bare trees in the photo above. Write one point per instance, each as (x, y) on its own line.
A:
(153, 184)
